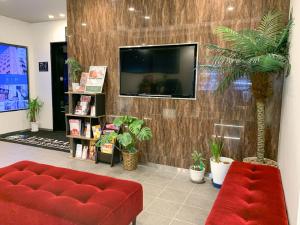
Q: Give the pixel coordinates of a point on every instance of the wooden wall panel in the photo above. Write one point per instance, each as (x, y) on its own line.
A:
(179, 126)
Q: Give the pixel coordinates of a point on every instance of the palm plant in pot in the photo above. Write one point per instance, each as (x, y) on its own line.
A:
(219, 165)
(258, 54)
(197, 170)
(75, 71)
(133, 131)
(34, 107)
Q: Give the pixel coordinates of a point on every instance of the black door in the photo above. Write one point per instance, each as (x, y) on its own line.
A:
(59, 84)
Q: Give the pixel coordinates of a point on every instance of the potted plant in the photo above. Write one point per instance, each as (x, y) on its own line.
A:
(197, 170)
(258, 54)
(34, 107)
(219, 165)
(133, 131)
(75, 71)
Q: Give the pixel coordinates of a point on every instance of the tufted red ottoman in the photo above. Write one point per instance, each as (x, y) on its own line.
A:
(250, 195)
(38, 194)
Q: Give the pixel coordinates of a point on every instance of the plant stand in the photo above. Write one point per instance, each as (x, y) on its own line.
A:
(267, 162)
(110, 158)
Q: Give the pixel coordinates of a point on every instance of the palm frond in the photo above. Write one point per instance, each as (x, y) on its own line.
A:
(271, 24)
(225, 60)
(283, 40)
(243, 42)
(269, 64)
(230, 74)
(224, 51)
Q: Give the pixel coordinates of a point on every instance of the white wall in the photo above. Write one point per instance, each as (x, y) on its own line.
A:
(16, 32)
(37, 37)
(289, 144)
(43, 34)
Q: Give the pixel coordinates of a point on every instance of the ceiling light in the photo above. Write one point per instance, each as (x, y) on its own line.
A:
(230, 8)
(50, 16)
(147, 17)
(83, 24)
(131, 9)
(62, 15)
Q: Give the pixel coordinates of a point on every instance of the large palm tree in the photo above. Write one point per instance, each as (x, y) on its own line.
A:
(257, 54)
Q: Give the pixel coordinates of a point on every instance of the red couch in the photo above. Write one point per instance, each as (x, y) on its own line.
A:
(38, 194)
(250, 195)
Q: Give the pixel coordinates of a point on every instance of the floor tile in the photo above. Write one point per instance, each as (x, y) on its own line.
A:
(192, 215)
(180, 222)
(147, 218)
(173, 195)
(151, 189)
(163, 208)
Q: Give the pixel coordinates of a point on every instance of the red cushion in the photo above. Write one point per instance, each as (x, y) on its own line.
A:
(250, 195)
(44, 194)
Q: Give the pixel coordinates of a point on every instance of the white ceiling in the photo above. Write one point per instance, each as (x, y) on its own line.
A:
(33, 11)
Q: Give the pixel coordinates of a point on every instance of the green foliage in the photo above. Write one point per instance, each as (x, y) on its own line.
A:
(134, 130)
(34, 107)
(197, 161)
(75, 69)
(216, 148)
(249, 52)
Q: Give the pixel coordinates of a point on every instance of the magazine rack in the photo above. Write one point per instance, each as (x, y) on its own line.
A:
(98, 101)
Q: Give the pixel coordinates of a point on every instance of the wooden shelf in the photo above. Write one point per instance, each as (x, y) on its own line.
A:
(84, 93)
(82, 138)
(84, 116)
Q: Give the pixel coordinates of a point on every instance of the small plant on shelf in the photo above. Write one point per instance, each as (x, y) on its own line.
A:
(133, 131)
(34, 107)
(219, 165)
(75, 71)
(197, 170)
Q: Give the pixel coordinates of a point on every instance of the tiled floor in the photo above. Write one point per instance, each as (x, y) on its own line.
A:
(169, 197)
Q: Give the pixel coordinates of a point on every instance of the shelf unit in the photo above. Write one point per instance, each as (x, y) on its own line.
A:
(98, 100)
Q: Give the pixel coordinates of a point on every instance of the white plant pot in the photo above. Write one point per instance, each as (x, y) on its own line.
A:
(196, 175)
(75, 86)
(219, 170)
(34, 126)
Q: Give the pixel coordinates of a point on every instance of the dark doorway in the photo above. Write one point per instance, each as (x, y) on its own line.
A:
(59, 84)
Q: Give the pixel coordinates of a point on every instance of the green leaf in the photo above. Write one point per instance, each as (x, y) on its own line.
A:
(136, 126)
(118, 121)
(107, 138)
(125, 139)
(145, 134)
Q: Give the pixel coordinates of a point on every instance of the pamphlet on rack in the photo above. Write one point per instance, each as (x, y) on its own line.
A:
(96, 79)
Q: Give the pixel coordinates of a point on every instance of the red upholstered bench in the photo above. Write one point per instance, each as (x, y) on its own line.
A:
(38, 194)
(250, 195)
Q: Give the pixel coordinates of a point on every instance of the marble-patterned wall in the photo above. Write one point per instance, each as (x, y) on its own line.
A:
(179, 126)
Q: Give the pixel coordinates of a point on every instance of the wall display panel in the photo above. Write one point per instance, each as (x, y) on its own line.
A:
(14, 90)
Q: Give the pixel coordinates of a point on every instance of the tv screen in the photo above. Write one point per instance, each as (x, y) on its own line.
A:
(158, 71)
(14, 92)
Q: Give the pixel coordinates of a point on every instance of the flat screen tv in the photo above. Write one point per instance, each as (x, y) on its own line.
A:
(14, 91)
(159, 71)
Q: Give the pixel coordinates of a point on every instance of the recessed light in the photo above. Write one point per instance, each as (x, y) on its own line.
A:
(230, 8)
(62, 15)
(83, 24)
(50, 16)
(147, 17)
(131, 9)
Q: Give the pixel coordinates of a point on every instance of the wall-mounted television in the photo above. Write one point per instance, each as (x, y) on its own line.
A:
(14, 90)
(167, 71)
